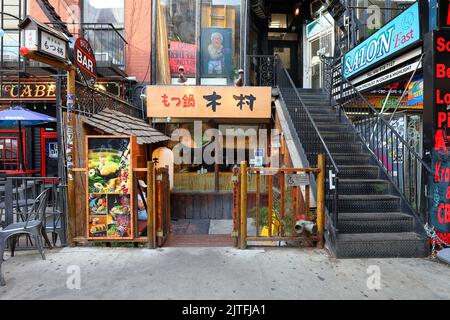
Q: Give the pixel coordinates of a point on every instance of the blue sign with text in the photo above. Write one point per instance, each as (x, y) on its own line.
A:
(397, 34)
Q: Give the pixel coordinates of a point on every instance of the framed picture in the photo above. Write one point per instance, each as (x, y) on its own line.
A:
(109, 183)
(216, 52)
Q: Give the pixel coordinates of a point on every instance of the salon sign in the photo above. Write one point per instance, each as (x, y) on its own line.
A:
(209, 102)
(401, 32)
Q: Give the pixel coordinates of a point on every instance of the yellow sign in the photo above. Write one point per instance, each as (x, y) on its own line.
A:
(208, 102)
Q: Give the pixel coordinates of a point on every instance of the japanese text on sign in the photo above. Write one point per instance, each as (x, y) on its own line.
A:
(211, 101)
(53, 45)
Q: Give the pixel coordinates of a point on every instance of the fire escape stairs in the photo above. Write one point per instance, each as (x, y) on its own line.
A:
(53, 16)
(372, 220)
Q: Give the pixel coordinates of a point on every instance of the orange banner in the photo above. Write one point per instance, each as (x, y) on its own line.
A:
(208, 102)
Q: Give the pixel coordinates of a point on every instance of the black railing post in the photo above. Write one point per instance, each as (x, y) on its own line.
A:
(8, 202)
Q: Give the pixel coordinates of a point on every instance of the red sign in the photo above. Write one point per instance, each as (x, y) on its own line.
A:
(85, 61)
(440, 154)
(444, 14)
(182, 54)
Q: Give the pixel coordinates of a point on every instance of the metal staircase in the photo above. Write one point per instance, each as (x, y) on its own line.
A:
(53, 16)
(367, 215)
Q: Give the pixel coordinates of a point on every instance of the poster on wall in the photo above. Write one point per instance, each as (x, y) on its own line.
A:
(182, 54)
(415, 92)
(109, 183)
(216, 51)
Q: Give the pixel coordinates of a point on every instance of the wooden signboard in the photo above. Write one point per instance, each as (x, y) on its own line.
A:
(109, 182)
(209, 102)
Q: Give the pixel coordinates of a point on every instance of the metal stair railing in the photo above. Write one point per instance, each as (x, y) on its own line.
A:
(404, 167)
(312, 142)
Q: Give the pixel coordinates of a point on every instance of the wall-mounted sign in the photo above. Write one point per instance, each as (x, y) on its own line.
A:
(443, 14)
(43, 40)
(29, 91)
(208, 102)
(110, 190)
(437, 120)
(396, 35)
(182, 54)
(390, 103)
(85, 61)
(388, 66)
(53, 45)
(390, 76)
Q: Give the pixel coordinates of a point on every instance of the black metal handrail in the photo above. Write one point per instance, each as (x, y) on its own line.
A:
(312, 142)
(402, 164)
(261, 70)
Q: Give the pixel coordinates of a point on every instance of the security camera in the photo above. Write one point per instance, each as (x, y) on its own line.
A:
(143, 96)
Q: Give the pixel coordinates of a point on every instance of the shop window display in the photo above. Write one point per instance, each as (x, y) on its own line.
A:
(178, 43)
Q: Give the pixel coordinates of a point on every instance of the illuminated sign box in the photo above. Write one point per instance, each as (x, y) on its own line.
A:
(209, 102)
(400, 33)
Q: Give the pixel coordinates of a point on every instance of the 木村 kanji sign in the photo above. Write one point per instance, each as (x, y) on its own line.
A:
(208, 102)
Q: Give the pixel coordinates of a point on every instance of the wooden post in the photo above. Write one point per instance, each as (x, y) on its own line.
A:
(243, 217)
(282, 196)
(270, 203)
(236, 219)
(258, 200)
(70, 156)
(151, 241)
(320, 200)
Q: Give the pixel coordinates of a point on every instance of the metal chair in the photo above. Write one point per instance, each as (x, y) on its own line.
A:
(32, 226)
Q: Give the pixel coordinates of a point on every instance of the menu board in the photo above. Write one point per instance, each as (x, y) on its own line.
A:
(109, 184)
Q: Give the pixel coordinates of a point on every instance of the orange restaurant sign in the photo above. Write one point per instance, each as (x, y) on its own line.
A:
(208, 102)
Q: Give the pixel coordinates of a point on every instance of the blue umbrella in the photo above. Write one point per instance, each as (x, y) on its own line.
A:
(19, 115)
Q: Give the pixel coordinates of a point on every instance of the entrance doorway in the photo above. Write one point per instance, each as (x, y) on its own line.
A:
(287, 51)
(49, 153)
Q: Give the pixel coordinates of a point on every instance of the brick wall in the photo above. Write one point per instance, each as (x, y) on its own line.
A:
(137, 31)
(138, 34)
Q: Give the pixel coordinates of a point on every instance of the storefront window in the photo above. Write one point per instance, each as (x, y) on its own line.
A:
(104, 11)
(218, 42)
(104, 29)
(373, 14)
(9, 156)
(176, 40)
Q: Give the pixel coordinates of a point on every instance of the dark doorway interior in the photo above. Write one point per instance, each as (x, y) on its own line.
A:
(287, 51)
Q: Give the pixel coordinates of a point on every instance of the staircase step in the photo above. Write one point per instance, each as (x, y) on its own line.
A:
(358, 171)
(372, 222)
(338, 137)
(363, 186)
(315, 109)
(368, 203)
(381, 245)
(326, 118)
(351, 159)
(333, 127)
(347, 146)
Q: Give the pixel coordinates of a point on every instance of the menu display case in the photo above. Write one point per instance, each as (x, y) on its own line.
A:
(109, 182)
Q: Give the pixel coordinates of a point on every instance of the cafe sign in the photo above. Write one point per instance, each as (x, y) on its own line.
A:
(398, 34)
(209, 102)
(29, 91)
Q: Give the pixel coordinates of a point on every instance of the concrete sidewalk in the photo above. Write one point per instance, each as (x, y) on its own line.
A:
(217, 273)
